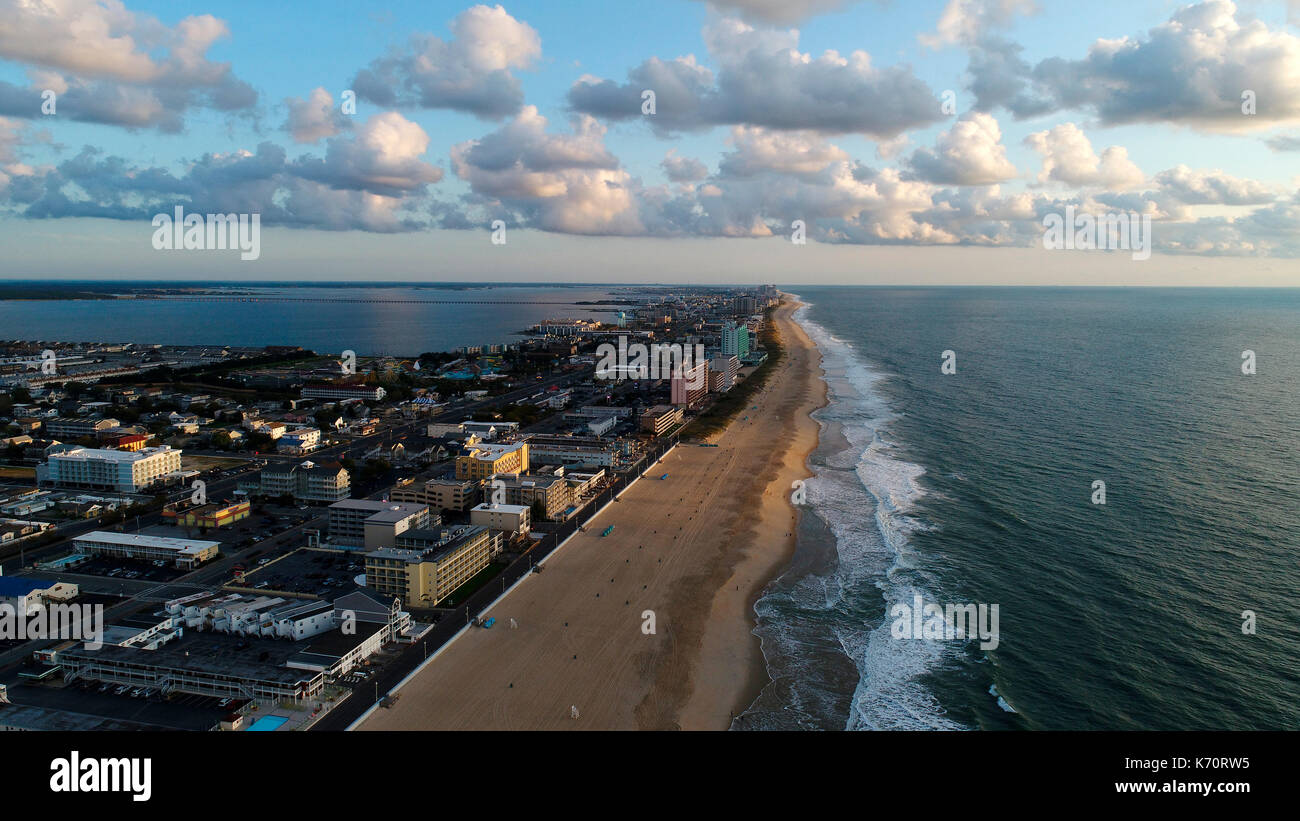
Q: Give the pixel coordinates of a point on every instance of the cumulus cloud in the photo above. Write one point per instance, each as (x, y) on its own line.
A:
(778, 11)
(681, 169)
(1068, 157)
(758, 150)
(1192, 70)
(113, 66)
(1194, 187)
(470, 72)
(965, 21)
(970, 153)
(372, 181)
(314, 118)
(384, 157)
(764, 80)
(556, 182)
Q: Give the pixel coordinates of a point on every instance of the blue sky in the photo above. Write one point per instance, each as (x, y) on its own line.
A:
(959, 199)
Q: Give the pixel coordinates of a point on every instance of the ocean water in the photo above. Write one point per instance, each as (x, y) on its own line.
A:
(977, 487)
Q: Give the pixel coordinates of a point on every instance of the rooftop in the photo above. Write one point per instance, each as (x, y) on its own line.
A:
(138, 540)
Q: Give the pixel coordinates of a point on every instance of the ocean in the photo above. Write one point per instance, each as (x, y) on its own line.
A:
(978, 487)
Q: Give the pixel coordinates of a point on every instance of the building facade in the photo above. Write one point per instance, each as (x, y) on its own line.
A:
(426, 566)
(120, 470)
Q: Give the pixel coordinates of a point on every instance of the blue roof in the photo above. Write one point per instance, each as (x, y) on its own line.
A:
(13, 586)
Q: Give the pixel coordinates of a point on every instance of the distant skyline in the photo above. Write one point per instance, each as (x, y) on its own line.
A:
(919, 143)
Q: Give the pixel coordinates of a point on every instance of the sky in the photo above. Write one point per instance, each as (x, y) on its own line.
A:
(902, 142)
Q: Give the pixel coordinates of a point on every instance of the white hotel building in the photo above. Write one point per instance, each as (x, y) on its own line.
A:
(119, 470)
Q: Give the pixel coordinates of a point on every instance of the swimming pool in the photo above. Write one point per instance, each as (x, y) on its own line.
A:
(267, 723)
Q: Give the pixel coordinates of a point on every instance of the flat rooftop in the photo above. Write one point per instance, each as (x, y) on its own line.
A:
(140, 540)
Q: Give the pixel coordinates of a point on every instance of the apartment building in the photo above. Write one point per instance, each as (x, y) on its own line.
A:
(553, 492)
(305, 481)
(660, 419)
(481, 461)
(691, 384)
(373, 525)
(120, 470)
(510, 520)
(327, 390)
(299, 442)
(440, 494)
(722, 373)
(735, 340)
(65, 428)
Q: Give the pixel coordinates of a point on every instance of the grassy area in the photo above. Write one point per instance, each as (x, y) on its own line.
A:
(720, 414)
(202, 463)
(472, 586)
(12, 472)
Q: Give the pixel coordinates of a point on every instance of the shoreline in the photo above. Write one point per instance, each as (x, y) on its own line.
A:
(760, 568)
(696, 563)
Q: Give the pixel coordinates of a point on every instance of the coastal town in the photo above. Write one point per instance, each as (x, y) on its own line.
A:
(240, 538)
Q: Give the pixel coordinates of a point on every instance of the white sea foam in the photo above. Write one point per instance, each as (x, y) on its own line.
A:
(871, 475)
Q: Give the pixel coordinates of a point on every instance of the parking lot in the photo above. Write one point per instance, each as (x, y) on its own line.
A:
(324, 573)
(129, 569)
(147, 706)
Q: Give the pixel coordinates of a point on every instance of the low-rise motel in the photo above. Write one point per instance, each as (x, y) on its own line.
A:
(186, 554)
(209, 516)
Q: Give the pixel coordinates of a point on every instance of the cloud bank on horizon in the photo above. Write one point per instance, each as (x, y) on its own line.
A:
(741, 136)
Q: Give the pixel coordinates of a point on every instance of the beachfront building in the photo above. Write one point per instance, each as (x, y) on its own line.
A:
(109, 469)
(372, 525)
(304, 481)
(690, 385)
(735, 340)
(660, 419)
(426, 566)
(722, 373)
(509, 520)
(481, 461)
(328, 390)
(551, 492)
(439, 494)
(572, 450)
(186, 554)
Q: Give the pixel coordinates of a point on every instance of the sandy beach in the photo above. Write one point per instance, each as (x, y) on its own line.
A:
(696, 549)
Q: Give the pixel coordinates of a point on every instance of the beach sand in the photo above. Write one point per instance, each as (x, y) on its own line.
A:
(696, 549)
